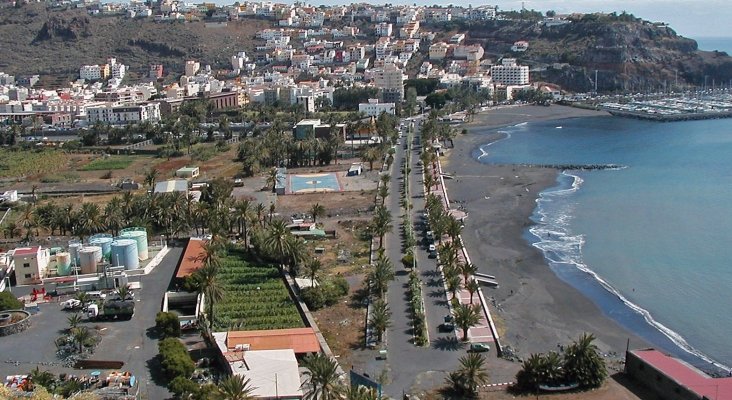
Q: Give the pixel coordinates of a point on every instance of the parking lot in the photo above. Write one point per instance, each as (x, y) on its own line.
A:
(132, 342)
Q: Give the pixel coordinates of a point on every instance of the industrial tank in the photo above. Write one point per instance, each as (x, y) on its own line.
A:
(63, 264)
(124, 253)
(140, 236)
(74, 247)
(88, 259)
(105, 243)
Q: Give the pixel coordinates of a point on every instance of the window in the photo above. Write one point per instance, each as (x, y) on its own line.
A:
(27, 276)
(26, 265)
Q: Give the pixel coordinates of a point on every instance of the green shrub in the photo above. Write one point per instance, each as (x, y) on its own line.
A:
(313, 297)
(181, 386)
(9, 302)
(175, 359)
(341, 284)
(408, 260)
(167, 324)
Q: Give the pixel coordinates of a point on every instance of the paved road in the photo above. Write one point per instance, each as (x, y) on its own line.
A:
(127, 341)
(414, 369)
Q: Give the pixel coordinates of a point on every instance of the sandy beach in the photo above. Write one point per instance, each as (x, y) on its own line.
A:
(534, 310)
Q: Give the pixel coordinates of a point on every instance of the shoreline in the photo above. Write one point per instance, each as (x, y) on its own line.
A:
(535, 310)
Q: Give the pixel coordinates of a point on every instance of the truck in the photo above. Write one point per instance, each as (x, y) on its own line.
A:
(111, 309)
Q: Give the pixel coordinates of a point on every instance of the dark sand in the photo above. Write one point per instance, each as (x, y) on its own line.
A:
(535, 310)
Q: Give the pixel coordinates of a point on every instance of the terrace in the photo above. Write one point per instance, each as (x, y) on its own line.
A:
(255, 297)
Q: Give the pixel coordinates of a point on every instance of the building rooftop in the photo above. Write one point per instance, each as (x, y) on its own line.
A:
(300, 340)
(686, 375)
(175, 185)
(26, 251)
(192, 258)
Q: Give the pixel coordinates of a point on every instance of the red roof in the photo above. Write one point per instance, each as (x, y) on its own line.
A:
(301, 340)
(192, 258)
(686, 375)
(26, 251)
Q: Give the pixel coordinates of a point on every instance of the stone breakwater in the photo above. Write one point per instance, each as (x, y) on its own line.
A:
(584, 167)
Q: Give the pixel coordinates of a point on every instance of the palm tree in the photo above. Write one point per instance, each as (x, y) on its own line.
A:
(322, 377)
(467, 270)
(124, 293)
(583, 363)
(380, 318)
(381, 275)
(472, 287)
(297, 253)
(210, 288)
(383, 193)
(530, 376)
(74, 321)
(381, 223)
(454, 284)
(312, 268)
(243, 216)
(83, 298)
(151, 175)
(234, 387)
(361, 393)
(429, 181)
(81, 336)
(317, 210)
(272, 178)
(276, 241)
(11, 230)
(370, 155)
(469, 375)
(466, 317)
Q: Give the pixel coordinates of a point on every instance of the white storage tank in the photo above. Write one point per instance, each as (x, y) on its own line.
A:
(124, 253)
(105, 243)
(140, 236)
(88, 259)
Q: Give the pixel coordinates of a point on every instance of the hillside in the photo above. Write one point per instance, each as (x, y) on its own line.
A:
(39, 41)
(627, 52)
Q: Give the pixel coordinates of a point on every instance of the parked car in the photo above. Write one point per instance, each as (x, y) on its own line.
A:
(448, 325)
(479, 347)
(71, 304)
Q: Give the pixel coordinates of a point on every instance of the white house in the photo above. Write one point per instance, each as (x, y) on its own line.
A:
(31, 264)
(124, 114)
(373, 108)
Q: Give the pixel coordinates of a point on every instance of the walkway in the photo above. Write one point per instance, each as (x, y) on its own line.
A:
(413, 369)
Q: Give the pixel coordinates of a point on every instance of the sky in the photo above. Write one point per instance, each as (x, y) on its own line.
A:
(690, 18)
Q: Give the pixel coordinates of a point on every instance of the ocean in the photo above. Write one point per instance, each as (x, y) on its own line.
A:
(715, 43)
(648, 242)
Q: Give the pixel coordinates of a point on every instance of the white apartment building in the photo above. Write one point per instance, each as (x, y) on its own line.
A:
(116, 70)
(94, 72)
(390, 81)
(373, 108)
(510, 73)
(482, 13)
(192, 67)
(384, 29)
(124, 114)
(471, 53)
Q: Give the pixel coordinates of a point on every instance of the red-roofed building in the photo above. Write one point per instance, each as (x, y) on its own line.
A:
(300, 340)
(673, 379)
(31, 264)
(192, 259)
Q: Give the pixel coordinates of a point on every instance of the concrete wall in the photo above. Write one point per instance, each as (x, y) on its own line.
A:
(655, 380)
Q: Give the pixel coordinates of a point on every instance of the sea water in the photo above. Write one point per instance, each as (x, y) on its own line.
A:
(651, 242)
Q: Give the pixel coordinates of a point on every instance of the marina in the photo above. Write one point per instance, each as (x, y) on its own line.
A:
(678, 108)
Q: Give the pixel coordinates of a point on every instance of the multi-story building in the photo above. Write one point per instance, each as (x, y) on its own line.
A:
(124, 114)
(510, 73)
(192, 67)
(384, 29)
(390, 81)
(409, 30)
(471, 53)
(94, 72)
(438, 51)
(373, 108)
(116, 70)
(31, 264)
(457, 38)
(481, 13)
